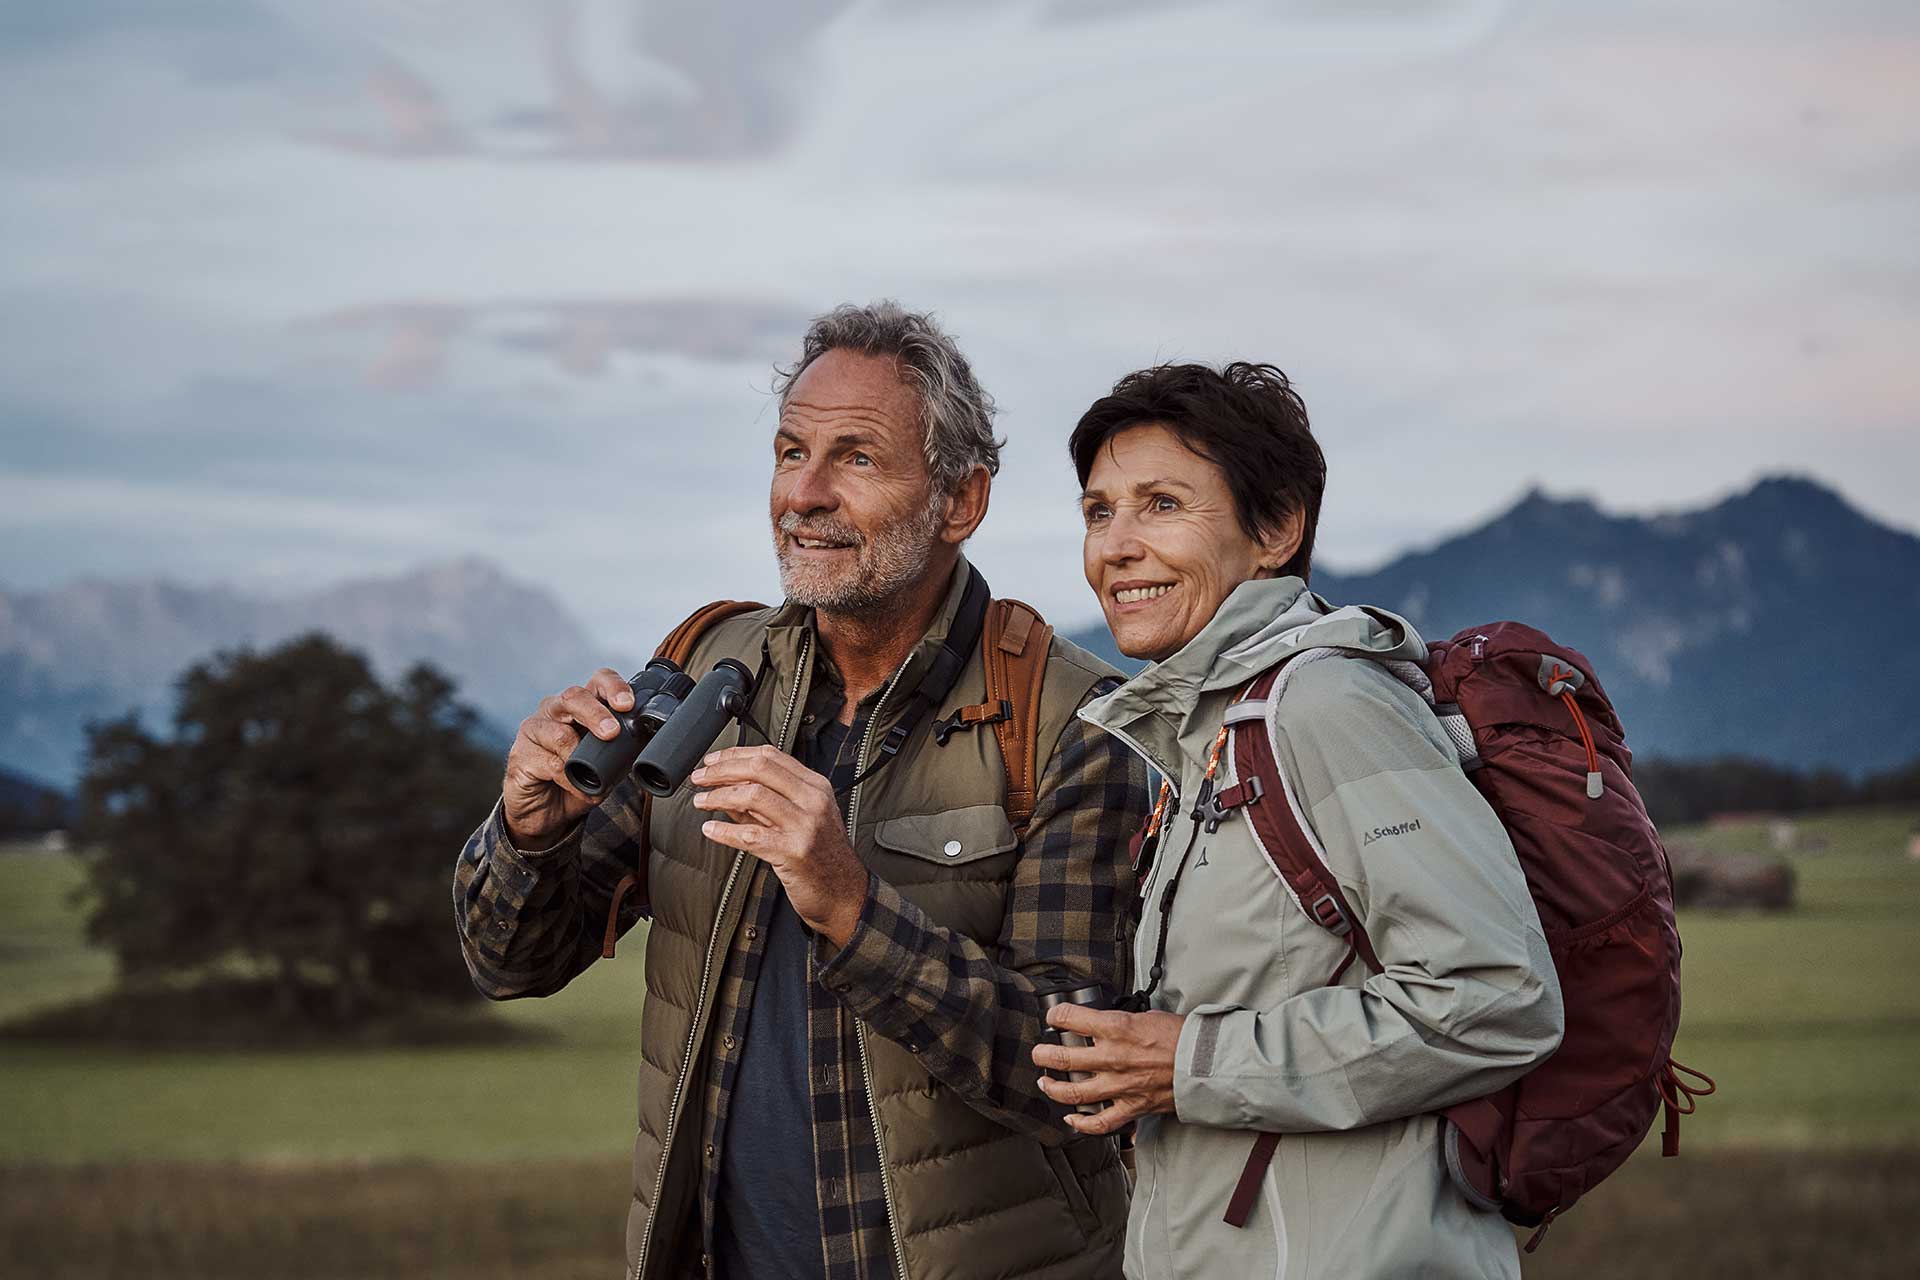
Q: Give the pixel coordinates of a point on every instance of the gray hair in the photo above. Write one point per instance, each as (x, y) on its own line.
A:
(956, 414)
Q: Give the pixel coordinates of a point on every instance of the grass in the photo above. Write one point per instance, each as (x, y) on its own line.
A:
(508, 1159)
(1742, 1215)
(563, 1093)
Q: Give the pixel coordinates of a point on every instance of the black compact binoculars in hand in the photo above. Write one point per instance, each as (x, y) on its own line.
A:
(1092, 995)
(673, 723)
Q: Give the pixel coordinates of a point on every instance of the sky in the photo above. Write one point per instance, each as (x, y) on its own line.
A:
(296, 292)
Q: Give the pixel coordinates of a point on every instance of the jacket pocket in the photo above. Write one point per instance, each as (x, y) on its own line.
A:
(953, 837)
(1076, 1196)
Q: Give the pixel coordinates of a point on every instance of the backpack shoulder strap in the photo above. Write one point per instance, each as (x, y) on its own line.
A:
(680, 642)
(677, 648)
(1015, 645)
(1262, 788)
(1279, 828)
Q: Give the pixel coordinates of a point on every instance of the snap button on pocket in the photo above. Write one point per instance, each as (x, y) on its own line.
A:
(952, 849)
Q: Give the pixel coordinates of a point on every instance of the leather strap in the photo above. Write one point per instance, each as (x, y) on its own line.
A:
(1016, 645)
(677, 648)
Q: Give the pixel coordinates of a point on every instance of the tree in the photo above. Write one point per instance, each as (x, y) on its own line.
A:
(298, 830)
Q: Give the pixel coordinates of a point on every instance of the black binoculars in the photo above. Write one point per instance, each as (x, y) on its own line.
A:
(1092, 995)
(673, 723)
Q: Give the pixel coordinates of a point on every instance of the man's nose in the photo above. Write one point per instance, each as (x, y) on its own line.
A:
(811, 489)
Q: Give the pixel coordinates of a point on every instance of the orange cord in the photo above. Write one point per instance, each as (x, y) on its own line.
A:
(1166, 787)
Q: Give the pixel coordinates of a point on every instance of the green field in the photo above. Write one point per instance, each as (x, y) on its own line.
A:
(507, 1158)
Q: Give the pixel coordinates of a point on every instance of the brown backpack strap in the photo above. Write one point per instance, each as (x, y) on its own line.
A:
(1016, 644)
(676, 648)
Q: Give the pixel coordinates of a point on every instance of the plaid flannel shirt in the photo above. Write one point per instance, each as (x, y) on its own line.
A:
(968, 1006)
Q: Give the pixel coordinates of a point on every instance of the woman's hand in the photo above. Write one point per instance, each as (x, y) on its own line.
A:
(1131, 1059)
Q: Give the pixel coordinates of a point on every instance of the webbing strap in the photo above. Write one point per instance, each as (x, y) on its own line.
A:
(1244, 1191)
(1278, 832)
(676, 648)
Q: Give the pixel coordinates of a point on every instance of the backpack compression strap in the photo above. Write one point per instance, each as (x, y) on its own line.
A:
(676, 648)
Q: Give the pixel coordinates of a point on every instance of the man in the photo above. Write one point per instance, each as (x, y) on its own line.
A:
(845, 946)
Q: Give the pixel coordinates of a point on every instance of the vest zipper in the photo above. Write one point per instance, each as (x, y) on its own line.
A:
(706, 974)
(859, 1027)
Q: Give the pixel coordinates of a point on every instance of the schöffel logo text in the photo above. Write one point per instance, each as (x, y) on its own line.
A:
(1398, 829)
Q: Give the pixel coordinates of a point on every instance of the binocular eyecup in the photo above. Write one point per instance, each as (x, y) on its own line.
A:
(661, 738)
(720, 698)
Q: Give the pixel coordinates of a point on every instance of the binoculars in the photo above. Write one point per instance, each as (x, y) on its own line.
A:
(673, 723)
(1093, 996)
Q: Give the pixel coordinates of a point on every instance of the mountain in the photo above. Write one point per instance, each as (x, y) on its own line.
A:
(94, 650)
(1773, 624)
(27, 808)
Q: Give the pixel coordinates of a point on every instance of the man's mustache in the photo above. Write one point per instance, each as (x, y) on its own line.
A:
(794, 526)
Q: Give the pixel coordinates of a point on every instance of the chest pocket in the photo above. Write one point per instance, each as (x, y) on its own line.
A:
(955, 865)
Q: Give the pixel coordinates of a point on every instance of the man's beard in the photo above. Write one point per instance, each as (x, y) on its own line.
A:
(881, 567)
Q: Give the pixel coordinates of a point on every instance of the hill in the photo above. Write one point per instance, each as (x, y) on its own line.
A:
(1755, 627)
(94, 650)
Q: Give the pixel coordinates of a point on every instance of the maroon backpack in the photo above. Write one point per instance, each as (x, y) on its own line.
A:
(1540, 740)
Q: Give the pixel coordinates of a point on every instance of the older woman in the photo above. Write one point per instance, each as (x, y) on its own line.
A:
(1201, 492)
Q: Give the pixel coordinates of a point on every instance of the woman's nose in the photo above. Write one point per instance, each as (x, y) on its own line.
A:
(1121, 542)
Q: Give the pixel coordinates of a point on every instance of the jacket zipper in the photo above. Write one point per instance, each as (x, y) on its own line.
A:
(1173, 802)
(706, 974)
(859, 1027)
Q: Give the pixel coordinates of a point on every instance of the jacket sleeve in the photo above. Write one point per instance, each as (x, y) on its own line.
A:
(969, 1009)
(1467, 1000)
(529, 921)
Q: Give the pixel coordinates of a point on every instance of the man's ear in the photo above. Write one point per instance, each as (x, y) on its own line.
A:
(1279, 546)
(966, 507)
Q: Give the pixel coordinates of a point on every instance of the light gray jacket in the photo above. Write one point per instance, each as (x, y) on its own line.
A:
(1351, 1074)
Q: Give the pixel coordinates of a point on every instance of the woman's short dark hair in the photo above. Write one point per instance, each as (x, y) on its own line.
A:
(1244, 418)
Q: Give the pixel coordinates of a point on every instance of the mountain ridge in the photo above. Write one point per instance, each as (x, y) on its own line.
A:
(1742, 628)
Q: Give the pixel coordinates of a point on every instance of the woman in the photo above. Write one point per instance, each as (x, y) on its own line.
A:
(1201, 492)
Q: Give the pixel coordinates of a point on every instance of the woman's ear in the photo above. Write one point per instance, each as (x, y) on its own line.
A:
(1279, 546)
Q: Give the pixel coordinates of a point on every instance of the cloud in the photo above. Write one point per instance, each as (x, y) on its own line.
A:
(416, 278)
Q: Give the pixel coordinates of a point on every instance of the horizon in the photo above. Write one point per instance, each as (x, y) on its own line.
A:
(283, 591)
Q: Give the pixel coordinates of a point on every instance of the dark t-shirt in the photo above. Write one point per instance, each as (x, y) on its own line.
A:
(767, 1214)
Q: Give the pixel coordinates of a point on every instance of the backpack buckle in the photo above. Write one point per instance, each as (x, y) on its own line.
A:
(1328, 914)
(1215, 808)
(973, 718)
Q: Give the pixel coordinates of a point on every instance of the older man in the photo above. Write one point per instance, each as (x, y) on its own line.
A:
(846, 944)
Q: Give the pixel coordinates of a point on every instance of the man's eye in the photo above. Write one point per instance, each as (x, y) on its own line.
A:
(790, 454)
(862, 460)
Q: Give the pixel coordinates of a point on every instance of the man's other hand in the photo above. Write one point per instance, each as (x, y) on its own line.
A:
(537, 800)
(785, 814)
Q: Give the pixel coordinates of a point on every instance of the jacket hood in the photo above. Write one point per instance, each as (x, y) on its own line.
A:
(1174, 707)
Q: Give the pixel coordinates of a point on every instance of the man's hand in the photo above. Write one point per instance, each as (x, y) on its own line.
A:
(785, 814)
(537, 800)
(1131, 1059)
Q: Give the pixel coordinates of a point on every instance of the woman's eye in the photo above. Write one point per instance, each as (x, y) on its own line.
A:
(1095, 513)
(1161, 502)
